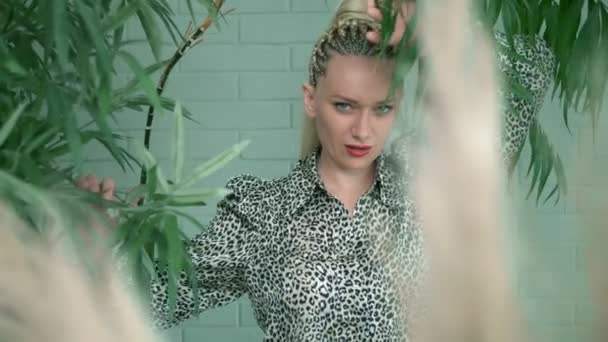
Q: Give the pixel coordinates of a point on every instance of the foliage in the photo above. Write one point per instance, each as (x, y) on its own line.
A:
(59, 92)
(577, 33)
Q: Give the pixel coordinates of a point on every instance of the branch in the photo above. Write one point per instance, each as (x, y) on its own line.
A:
(191, 38)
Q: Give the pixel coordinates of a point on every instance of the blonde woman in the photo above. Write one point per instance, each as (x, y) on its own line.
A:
(332, 250)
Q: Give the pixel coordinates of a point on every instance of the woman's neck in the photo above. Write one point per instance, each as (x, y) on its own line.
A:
(345, 185)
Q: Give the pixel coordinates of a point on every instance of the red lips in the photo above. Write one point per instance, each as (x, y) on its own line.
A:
(358, 151)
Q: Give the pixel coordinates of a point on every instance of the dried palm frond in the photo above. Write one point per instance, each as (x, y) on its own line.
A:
(47, 296)
(458, 186)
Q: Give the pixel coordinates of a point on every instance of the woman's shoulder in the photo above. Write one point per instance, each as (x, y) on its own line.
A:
(253, 196)
(248, 185)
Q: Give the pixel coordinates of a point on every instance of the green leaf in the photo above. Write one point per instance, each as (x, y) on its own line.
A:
(137, 192)
(145, 81)
(188, 217)
(174, 242)
(152, 183)
(148, 23)
(560, 175)
(547, 165)
(191, 10)
(60, 31)
(119, 17)
(543, 160)
(9, 125)
(95, 34)
(150, 163)
(58, 104)
(493, 11)
(41, 139)
(212, 165)
(191, 197)
(133, 84)
(172, 273)
(179, 143)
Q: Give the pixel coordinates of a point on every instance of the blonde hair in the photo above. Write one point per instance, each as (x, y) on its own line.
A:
(346, 35)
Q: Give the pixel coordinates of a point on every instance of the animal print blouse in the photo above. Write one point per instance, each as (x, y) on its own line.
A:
(312, 271)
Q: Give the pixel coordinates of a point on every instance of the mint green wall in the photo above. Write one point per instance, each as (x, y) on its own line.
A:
(244, 83)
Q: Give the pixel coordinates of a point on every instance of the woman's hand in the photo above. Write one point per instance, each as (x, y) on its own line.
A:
(106, 189)
(406, 13)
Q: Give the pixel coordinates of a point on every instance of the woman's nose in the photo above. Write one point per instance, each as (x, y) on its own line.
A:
(361, 126)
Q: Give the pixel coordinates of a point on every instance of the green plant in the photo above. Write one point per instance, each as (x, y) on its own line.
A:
(576, 32)
(58, 62)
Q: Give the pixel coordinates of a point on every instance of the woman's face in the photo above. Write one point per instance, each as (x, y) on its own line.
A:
(352, 115)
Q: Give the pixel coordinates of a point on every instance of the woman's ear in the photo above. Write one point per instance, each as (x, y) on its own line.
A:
(308, 94)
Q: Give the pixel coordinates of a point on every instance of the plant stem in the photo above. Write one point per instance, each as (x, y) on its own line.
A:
(190, 39)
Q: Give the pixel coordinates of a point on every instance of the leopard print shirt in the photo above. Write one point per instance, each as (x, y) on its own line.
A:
(312, 271)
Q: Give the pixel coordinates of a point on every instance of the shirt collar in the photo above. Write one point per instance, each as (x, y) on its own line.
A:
(304, 181)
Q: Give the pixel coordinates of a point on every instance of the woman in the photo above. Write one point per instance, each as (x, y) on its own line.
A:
(333, 249)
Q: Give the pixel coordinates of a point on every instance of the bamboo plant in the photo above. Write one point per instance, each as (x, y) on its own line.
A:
(58, 64)
(576, 32)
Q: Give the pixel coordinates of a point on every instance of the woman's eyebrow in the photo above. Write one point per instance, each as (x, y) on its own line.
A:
(345, 99)
(383, 101)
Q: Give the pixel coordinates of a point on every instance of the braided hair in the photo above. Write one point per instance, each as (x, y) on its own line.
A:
(347, 36)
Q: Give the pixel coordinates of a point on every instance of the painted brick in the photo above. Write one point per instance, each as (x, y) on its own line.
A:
(247, 316)
(291, 28)
(198, 143)
(227, 32)
(271, 85)
(96, 151)
(549, 312)
(586, 314)
(265, 169)
(534, 256)
(297, 120)
(552, 284)
(550, 229)
(190, 229)
(271, 144)
(125, 180)
(201, 87)
(172, 335)
(591, 200)
(223, 334)
(223, 316)
(591, 173)
(244, 6)
(300, 57)
(314, 5)
(242, 114)
(237, 58)
(213, 116)
(144, 56)
(553, 334)
(135, 120)
(570, 200)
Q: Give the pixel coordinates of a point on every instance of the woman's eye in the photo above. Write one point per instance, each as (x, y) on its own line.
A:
(384, 109)
(342, 106)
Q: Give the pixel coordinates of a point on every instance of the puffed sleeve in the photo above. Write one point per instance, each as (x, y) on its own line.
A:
(219, 255)
(528, 62)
